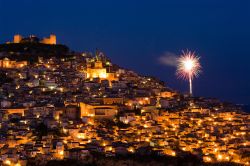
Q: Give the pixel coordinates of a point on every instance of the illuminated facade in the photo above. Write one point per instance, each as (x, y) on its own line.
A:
(7, 63)
(98, 111)
(17, 38)
(98, 71)
(49, 40)
(20, 111)
(167, 94)
(113, 100)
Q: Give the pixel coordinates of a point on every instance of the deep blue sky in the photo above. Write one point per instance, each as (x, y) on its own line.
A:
(134, 33)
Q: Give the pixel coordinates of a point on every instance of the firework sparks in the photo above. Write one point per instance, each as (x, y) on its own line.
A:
(188, 67)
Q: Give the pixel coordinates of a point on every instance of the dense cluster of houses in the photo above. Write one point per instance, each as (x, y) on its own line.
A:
(67, 109)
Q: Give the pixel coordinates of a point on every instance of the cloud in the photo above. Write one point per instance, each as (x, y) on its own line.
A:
(168, 59)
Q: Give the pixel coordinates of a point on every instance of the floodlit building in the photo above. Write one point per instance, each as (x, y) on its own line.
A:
(47, 40)
(96, 70)
(17, 38)
(20, 111)
(7, 63)
(113, 100)
(98, 111)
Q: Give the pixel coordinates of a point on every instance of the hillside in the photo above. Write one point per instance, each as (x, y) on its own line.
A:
(31, 51)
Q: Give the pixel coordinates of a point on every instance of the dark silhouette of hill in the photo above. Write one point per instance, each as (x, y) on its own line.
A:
(31, 51)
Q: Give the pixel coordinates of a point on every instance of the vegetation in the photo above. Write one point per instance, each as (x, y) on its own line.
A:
(31, 51)
(4, 78)
(41, 130)
(34, 48)
(135, 160)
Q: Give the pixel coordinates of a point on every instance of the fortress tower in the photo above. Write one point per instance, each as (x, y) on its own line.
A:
(17, 38)
(49, 40)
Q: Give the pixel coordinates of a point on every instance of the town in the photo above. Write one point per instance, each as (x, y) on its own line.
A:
(75, 105)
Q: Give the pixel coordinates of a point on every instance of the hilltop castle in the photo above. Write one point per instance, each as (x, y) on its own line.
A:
(33, 39)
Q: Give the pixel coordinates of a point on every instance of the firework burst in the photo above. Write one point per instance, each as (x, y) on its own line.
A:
(188, 67)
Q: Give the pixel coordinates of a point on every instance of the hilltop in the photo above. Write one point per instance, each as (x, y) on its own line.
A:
(31, 51)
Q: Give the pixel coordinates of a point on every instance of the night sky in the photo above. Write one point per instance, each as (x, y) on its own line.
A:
(135, 33)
